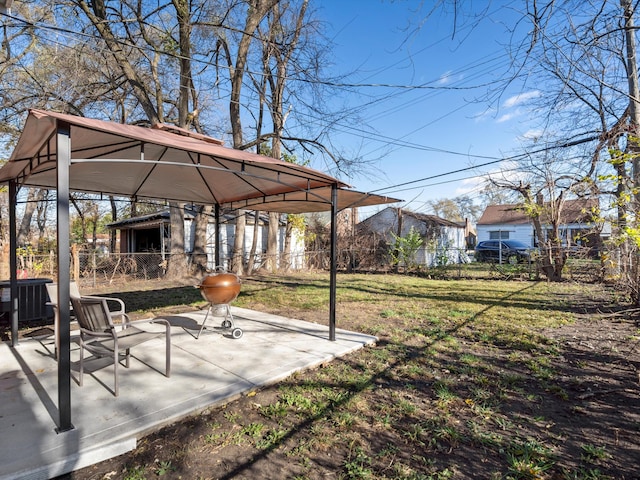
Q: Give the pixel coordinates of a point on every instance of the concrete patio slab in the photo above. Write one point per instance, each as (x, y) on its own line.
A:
(208, 371)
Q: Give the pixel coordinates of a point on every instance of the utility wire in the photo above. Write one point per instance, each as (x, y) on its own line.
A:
(564, 144)
(370, 135)
(75, 33)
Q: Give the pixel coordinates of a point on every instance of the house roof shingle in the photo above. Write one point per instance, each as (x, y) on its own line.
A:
(573, 211)
(421, 217)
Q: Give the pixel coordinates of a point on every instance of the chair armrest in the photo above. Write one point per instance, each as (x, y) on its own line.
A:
(167, 325)
(126, 321)
(110, 299)
(160, 321)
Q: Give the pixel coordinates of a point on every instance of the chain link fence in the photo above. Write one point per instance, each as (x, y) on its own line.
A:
(580, 264)
(90, 268)
(96, 268)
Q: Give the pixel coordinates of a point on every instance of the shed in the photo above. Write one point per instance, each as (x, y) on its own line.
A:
(151, 234)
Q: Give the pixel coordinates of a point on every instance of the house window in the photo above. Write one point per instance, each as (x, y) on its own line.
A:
(562, 235)
(499, 235)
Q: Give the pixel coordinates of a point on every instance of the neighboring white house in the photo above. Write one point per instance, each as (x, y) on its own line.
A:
(510, 222)
(151, 234)
(442, 239)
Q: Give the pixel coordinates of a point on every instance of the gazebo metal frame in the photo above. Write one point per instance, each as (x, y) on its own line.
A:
(69, 153)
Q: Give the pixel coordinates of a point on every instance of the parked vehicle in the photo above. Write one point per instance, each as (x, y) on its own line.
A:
(504, 251)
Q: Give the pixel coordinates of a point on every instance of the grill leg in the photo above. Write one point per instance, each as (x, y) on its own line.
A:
(204, 321)
(228, 315)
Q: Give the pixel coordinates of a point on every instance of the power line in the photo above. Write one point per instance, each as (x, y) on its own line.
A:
(558, 145)
(400, 89)
(75, 33)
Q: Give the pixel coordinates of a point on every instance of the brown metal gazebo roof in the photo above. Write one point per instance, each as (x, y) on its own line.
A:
(169, 164)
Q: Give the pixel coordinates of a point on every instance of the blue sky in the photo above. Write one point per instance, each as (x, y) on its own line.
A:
(424, 133)
(421, 133)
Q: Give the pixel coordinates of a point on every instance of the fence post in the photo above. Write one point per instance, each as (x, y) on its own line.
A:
(94, 269)
(75, 255)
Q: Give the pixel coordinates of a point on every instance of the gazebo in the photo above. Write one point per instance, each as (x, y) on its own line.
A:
(69, 153)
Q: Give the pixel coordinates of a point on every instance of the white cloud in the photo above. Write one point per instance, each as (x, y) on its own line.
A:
(532, 134)
(514, 103)
(506, 117)
(507, 171)
(470, 185)
(486, 114)
(521, 98)
(445, 78)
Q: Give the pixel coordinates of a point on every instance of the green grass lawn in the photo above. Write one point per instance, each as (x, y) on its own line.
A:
(469, 379)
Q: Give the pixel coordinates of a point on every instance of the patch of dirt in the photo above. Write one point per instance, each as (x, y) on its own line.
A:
(599, 368)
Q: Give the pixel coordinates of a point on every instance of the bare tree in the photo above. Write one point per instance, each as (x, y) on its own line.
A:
(583, 53)
(139, 68)
(456, 209)
(544, 183)
(235, 52)
(281, 43)
(152, 94)
(34, 196)
(104, 18)
(75, 77)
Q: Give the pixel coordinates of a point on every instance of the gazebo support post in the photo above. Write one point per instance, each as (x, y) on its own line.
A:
(334, 263)
(64, 277)
(216, 246)
(13, 262)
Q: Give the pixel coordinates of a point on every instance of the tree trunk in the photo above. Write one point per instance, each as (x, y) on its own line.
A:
(633, 147)
(272, 242)
(178, 260)
(94, 231)
(81, 215)
(41, 221)
(286, 251)
(237, 262)
(113, 234)
(254, 242)
(552, 255)
(184, 26)
(33, 196)
(634, 94)
(199, 256)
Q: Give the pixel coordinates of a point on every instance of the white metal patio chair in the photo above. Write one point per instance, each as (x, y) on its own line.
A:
(100, 337)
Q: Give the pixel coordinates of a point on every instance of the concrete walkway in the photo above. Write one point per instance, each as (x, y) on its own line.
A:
(211, 370)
